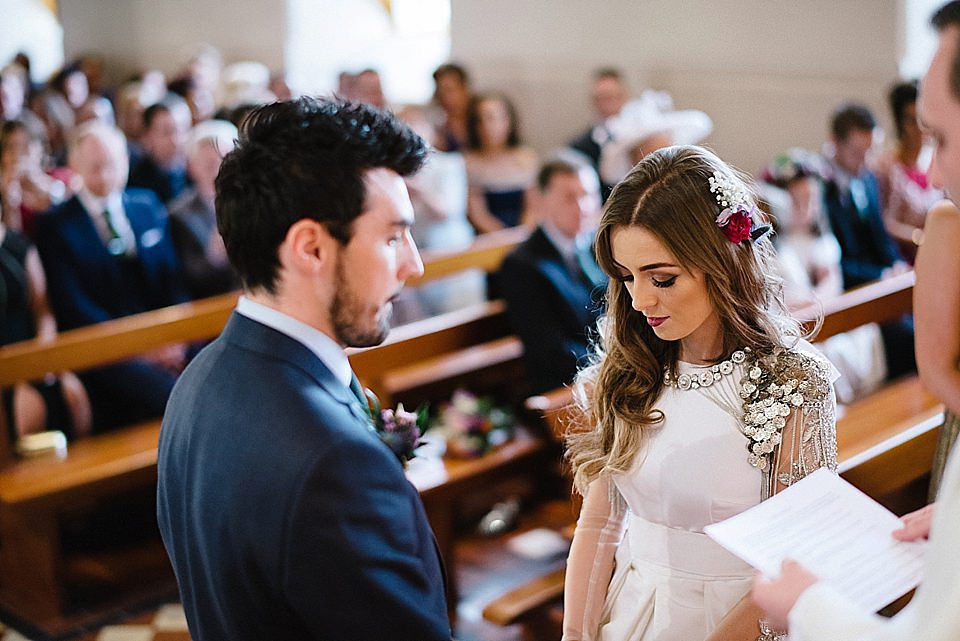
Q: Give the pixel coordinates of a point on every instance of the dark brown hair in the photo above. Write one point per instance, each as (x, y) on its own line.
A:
(473, 119)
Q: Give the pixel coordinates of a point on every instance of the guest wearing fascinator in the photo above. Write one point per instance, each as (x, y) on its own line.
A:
(644, 125)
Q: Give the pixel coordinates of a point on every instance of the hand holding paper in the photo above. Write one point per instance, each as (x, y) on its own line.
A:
(835, 531)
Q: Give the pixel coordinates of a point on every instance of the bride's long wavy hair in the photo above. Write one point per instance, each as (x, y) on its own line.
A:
(668, 194)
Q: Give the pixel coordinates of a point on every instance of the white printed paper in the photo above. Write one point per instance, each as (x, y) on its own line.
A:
(837, 532)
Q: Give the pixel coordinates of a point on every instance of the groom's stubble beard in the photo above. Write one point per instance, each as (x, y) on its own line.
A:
(355, 323)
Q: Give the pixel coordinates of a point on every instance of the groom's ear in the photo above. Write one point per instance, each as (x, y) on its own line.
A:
(308, 248)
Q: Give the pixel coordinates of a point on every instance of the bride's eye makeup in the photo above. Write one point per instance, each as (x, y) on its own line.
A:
(666, 282)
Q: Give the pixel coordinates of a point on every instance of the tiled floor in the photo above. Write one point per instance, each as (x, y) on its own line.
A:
(164, 624)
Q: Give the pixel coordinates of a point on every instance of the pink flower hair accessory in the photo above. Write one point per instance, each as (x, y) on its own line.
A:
(736, 211)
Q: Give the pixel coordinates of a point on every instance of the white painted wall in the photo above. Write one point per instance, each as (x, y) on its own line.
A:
(768, 72)
(163, 34)
(326, 37)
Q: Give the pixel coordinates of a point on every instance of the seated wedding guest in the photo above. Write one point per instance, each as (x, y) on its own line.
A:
(193, 221)
(439, 196)
(107, 253)
(852, 201)
(201, 100)
(58, 120)
(14, 88)
(796, 601)
(163, 166)
(608, 94)
(807, 251)
(643, 126)
(204, 67)
(70, 85)
(58, 402)
(92, 65)
(902, 173)
(500, 169)
(129, 104)
(26, 188)
(366, 88)
(97, 108)
(808, 258)
(278, 86)
(245, 83)
(452, 95)
(345, 85)
(551, 282)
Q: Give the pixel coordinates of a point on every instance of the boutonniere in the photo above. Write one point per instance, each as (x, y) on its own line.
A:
(399, 429)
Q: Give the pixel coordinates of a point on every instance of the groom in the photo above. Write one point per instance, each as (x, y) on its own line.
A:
(283, 514)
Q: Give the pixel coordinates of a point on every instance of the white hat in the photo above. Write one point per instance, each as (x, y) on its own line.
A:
(223, 134)
(640, 119)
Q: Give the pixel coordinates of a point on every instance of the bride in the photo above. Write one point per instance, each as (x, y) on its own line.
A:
(702, 400)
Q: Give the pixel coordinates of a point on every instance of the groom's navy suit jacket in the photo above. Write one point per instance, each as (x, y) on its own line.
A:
(283, 514)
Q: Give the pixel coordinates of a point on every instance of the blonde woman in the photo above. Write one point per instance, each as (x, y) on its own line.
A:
(702, 401)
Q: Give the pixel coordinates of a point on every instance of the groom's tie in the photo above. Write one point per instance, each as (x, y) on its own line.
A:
(357, 390)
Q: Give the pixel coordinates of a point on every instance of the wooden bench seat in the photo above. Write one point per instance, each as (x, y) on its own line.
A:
(36, 494)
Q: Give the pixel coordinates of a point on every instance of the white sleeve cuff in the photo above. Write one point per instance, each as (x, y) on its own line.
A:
(823, 614)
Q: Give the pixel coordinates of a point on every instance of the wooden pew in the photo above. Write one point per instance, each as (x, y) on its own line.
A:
(885, 441)
(36, 493)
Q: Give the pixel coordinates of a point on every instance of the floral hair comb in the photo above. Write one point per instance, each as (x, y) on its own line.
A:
(736, 214)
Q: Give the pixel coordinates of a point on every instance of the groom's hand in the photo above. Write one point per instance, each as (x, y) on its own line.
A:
(776, 598)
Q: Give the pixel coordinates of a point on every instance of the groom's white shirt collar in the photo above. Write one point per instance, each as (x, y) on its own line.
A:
(316, 341)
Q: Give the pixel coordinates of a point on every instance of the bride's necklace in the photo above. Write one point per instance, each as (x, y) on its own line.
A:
(708, 377)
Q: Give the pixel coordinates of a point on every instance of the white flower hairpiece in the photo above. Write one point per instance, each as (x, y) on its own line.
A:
(731, 196)
(736, 212)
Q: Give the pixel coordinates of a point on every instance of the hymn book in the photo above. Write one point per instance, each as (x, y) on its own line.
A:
(834, 530)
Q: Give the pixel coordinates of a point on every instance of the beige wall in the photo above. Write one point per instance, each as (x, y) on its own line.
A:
(768, 72)
(164, 33)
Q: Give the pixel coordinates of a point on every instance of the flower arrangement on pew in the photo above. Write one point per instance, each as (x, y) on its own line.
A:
(472, 425)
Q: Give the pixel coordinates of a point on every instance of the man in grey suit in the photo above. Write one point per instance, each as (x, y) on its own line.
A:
(284, 515)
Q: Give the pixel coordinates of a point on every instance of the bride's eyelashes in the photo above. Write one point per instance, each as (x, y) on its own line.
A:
(664, 283)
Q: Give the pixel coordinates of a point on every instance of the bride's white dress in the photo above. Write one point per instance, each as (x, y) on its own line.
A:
(669, 581)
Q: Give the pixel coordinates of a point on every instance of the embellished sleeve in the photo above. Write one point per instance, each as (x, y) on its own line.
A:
(590, 564)
(809, 437)
(789, 416)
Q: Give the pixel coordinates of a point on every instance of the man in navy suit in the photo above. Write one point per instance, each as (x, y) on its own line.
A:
(852, 201)
(867, 252)
(163, 166)
(284, 515)
(551, 282)
(108, 253)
